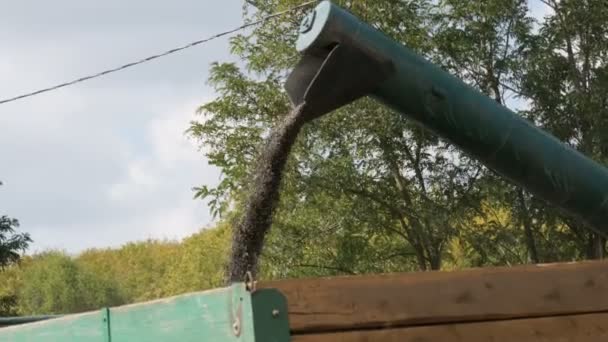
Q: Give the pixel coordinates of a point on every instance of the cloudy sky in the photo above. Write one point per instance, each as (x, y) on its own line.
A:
(106, 161)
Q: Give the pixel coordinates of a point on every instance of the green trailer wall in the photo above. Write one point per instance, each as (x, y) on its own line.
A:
(223, 315)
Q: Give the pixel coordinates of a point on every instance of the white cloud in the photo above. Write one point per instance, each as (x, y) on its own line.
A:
(168, 135)
(171, 159)
(173, 223)
(105, 162)
(139, 180)
(75, 186)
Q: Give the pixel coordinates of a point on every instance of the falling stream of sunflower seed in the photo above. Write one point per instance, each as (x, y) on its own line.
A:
(249, 232)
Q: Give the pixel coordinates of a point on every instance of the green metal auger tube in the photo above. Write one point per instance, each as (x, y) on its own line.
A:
(344, 59)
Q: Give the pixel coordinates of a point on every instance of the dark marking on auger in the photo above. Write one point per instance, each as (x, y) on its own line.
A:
(250, 231)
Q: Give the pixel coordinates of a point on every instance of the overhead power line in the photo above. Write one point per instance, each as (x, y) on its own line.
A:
(153, 57)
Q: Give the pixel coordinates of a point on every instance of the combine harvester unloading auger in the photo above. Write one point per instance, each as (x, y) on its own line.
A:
(344, 59)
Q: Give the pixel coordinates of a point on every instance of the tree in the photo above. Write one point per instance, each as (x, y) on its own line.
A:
(566, 80)
(485, 43)
(236, 123)
(383, 182)
(139, 269)
(9, 283)
(200, 262)
(11, 245)
(55, 284)
(11, 242)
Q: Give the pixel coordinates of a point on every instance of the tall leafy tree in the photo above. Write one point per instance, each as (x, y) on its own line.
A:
(485, 44)
(12, 245)
(567, 80)
(11, 242)
(53, 283)
(139, 269)
(200, 262)
(387, 179)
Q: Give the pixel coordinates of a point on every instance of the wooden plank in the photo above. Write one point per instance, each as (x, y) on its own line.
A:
(581, 328)
(443, 297)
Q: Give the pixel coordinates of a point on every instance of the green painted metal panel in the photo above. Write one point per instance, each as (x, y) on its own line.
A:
(211, 315)
(8, 321)
(221, 315)
(478, 125)
(270, 316)
(83, 327)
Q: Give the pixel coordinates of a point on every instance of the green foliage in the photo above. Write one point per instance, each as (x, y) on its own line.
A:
(11, 245)
(139, 269)
(566, 81)
(395, 195)
(200, 263)
(54, 284)
(11, 242)
(9, 285)
(8, 306)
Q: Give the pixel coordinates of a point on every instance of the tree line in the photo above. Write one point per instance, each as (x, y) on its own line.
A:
(54, 282)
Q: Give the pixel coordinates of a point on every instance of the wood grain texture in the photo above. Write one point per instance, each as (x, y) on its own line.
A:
(581, 328)
(399, 300)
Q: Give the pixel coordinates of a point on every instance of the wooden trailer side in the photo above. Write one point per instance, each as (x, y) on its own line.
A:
(577, 328)
(555, 298)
